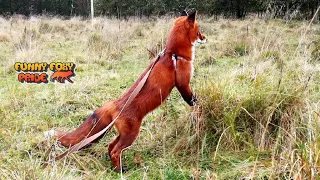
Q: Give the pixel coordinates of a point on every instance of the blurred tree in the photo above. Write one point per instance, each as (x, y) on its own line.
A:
(287, 9)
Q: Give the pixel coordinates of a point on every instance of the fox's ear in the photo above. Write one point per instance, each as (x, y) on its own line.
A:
(183, 13)
(192, 16)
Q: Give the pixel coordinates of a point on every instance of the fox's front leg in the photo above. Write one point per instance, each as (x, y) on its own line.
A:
(183, 76)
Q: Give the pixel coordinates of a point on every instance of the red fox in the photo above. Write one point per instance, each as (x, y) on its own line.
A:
(173, 69)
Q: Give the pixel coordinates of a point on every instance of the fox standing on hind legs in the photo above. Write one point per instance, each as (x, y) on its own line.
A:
(173, 69)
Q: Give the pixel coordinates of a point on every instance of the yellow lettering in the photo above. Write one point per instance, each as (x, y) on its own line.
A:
(17, 65)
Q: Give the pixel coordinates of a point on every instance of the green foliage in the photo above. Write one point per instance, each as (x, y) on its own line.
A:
(275, 55)
(175, 174)
(239, 46)
(95, 40)
(315, 52)
(241, 49)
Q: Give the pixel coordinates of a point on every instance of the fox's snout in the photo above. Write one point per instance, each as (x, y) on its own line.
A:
(202, 37)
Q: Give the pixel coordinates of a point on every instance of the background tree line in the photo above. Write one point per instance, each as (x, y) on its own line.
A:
(298, 9)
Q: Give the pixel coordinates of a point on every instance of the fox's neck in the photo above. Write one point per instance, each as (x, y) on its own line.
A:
(179, 44)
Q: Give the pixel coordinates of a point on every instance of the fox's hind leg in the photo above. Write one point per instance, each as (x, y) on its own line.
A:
(124, 142)
(112, 144)
(128, 132)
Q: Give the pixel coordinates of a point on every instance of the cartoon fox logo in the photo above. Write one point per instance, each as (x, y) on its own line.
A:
(173, 68)
(61, 76)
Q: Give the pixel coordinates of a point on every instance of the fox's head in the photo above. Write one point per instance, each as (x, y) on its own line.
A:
(194, 31)
(185, 35)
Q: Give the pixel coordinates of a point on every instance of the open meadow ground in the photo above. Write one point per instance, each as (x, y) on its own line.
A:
(257, 82)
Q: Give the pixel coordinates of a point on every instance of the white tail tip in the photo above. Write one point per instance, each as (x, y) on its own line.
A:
(49, 134)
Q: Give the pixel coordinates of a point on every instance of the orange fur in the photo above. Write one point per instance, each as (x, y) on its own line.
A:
(163, 78)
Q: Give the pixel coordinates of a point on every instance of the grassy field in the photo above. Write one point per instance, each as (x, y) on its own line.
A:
(257, 81)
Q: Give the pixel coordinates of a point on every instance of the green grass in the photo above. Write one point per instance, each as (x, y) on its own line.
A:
(257, 83)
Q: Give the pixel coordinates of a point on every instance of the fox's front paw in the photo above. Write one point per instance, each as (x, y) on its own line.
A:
(193, 101)
(49, 134)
